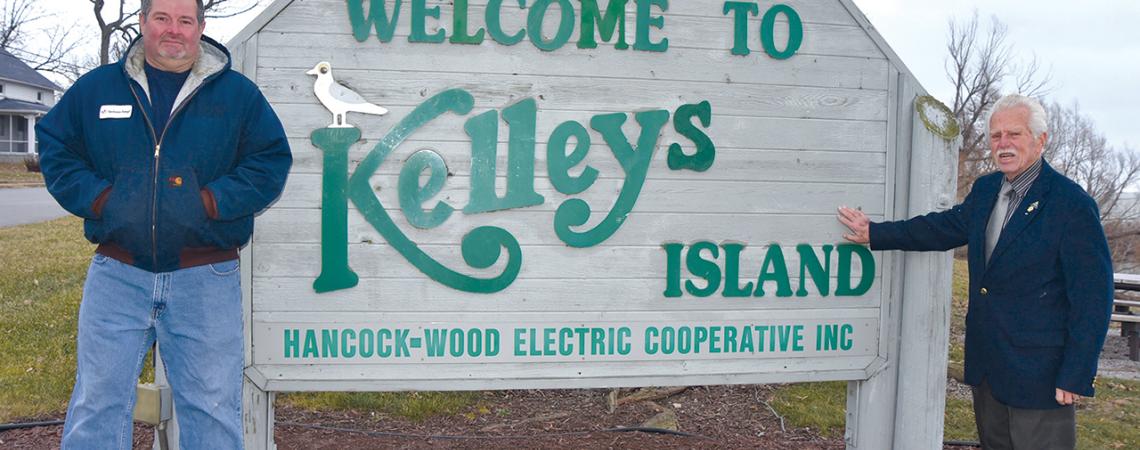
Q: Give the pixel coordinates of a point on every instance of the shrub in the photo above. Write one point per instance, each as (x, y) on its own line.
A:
(32, 163)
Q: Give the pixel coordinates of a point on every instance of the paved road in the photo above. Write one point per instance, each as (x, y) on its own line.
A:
(20, 206)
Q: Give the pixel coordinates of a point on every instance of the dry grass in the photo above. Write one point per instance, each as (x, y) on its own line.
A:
(15, 174)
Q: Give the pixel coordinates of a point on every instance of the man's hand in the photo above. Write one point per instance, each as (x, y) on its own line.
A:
(859, 225)
(1065, 397)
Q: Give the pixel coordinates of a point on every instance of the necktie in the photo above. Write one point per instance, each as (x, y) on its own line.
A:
(998, 218)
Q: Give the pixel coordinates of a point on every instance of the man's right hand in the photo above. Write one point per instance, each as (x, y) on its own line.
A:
(858, 223)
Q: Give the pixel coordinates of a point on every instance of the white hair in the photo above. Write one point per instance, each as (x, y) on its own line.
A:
(1038, 122)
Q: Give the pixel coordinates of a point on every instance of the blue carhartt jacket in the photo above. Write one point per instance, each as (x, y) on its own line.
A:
(172, 198)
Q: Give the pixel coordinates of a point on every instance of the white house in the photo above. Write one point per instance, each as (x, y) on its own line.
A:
(25, 95)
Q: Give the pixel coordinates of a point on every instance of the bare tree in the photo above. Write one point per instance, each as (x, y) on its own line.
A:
(121, 26)
(20, 22)
(1081, 152)
(979, 66)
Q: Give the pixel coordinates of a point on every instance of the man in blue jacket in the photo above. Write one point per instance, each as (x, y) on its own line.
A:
(167, 155)
(1040, 283)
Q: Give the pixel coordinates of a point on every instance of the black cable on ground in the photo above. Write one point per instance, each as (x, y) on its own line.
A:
(501, 437)
(22, 425)
(963, 443)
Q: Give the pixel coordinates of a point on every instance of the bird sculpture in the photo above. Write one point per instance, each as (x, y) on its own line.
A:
(338, 99)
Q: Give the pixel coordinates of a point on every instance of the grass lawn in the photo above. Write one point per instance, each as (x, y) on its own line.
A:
(45, 265)
(17, 174)
(40, 288)
(1111, 420)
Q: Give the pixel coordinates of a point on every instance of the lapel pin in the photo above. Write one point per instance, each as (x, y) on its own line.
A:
(1032, 206)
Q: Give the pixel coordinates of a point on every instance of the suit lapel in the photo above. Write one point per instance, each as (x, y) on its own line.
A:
(1027, 211)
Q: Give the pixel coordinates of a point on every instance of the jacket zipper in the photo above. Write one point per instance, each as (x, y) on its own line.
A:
(157, 153)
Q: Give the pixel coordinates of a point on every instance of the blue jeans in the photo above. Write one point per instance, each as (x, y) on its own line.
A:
(196, 316)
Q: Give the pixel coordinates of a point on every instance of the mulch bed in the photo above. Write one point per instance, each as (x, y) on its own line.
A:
(707, 417)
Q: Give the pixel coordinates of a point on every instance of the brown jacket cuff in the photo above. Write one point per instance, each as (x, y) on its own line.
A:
(210, 204)
(101, 200)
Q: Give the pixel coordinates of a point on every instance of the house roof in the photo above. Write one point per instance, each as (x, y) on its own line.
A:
(12, 68)
(10, 105)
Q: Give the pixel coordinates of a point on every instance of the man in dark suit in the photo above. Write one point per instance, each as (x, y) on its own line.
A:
(1040, 283)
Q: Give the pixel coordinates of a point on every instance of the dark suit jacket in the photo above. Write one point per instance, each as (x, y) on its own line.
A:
(1038, 314)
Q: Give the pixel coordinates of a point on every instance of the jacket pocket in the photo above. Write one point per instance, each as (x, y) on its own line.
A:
(125, 217)
(182, 214)
(1042, 338)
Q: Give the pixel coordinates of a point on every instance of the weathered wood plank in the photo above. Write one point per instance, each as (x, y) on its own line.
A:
(397, 88)
(747, 197)
(731, 163)
(832, 31)
(387, 377)
(302, 51)
(289, 225)
(811, 11)
(379, 260)
(726, 131)
(535, 295)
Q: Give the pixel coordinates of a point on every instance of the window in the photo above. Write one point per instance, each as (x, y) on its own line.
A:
(40, 97)
(13, 134)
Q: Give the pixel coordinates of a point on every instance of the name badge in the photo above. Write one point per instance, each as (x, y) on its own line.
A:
(115, 111)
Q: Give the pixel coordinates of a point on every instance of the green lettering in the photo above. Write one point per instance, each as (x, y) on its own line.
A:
(335, 272)
(613, 18)
(732, 272)
(383, 347)
(774, 269)
(866, 259)
(740, 24)
(420, 13)
(810, 265)
(481, 247)
(311, 349)
(558, 163)
(412, 195)
(519, 341)
(705, 153)
(459, 24)
(651, 346)
(495, 23)
(367, 343)
(347, 346)
(645, 20)
(328, 343)
(635, 163)
(795, 32)
(292, 343)
(704, 268)
(484, 131)
(673, 268)
(377, 16)
(565, 26)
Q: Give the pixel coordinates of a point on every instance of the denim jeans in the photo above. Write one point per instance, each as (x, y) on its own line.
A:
(196, 316)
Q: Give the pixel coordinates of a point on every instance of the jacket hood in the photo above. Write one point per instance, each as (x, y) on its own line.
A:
(213, 58)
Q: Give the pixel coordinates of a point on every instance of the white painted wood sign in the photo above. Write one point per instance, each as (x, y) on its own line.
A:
(494, 194)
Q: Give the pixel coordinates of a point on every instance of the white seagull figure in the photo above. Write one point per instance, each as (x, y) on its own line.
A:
(338, 99)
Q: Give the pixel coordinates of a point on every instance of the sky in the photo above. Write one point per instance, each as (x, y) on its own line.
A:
(1090, 47)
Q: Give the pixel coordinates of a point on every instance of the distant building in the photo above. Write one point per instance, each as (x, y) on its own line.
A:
(25, 96)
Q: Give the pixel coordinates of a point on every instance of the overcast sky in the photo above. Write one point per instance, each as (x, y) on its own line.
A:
(1092, 47)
